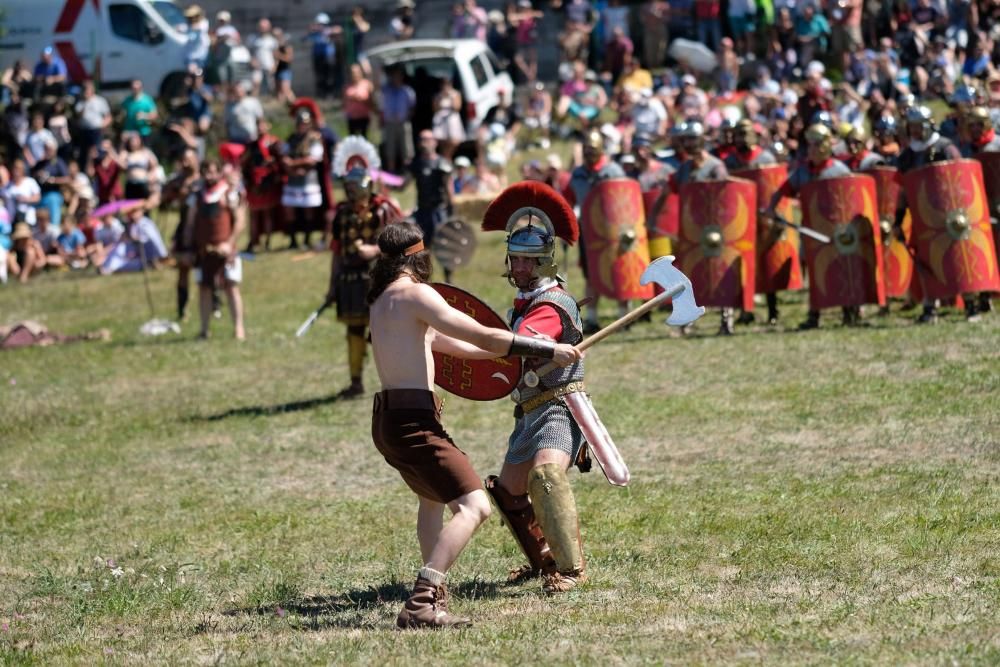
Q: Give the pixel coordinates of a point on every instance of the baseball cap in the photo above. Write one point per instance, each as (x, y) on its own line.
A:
(224, 16)
(322, 18)
(462, 161)
(689, 80)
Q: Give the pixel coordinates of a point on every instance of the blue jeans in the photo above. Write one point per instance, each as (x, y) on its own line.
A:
(53, 201)
(710, 32)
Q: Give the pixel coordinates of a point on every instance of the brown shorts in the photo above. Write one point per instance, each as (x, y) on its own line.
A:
(212, 267)
(407, 431)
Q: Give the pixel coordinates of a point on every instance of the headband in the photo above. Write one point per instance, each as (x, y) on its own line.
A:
(414, 249)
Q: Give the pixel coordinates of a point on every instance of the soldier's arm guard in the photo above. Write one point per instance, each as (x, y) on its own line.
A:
(525, 346)
(519, 515)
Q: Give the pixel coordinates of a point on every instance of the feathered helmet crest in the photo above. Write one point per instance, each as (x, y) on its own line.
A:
(355, 160)
(306, 105)
(533, 215)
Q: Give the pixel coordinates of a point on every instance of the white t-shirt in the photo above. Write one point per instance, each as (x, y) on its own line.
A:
(263, 47)
(36, 141)
(28, 187)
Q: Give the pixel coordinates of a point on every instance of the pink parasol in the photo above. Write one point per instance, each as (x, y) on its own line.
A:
(115, 206)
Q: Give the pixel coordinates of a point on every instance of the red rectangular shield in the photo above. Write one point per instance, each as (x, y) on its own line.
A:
(991, 179)
(897, 263)
(778, 265)
(716, 241)
(847, 271)
(951, 229)
(613, 230)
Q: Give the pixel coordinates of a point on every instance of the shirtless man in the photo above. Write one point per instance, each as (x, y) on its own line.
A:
(409, 320)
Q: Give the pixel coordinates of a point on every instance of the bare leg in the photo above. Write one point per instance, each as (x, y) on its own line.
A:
(236, 309)
(430, 521)
(514, 476)
(468, 513)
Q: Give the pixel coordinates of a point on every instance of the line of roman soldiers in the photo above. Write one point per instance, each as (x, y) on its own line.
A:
(910, 215)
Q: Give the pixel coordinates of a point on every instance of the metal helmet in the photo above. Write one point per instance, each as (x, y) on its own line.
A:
(922, 116)
(354, 161)
(821, 137)
(905, 102)
(594, 140)
(885, 126)
(977, 121)
(745, 134)
(822, 118)
(856, 139)
(692, 135)
(533, 215)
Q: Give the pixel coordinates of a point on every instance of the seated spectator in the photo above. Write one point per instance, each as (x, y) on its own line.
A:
(14, 80)
(538, 116)
(79, 190)
(38, 136)
(139, 245)
(465, 178)
(47, 238)
(5, 242)
(72, 244)
(24, 192)
(50, 75)
(26, 255)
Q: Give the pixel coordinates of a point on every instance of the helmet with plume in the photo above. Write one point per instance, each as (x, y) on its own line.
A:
(533, 215)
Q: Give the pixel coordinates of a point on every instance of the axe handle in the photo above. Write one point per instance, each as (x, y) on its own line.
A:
(617, 325)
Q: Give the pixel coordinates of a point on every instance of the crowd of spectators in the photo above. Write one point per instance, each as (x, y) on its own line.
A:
(630, 69)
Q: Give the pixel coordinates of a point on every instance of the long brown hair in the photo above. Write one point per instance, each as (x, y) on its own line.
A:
(393, 242)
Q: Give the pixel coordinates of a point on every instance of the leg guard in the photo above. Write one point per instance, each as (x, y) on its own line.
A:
(182, 301)
(357, 347)
(519, 516)
(555, 508)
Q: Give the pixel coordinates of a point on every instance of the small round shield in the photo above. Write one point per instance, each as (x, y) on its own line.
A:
(475, 379)
(454, 244)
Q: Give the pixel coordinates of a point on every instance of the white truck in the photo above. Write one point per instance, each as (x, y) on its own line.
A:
(112, 41)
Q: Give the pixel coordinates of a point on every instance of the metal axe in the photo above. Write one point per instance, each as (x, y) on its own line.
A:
(675, 286)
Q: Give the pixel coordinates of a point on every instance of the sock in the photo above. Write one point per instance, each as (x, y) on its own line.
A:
(431, 575)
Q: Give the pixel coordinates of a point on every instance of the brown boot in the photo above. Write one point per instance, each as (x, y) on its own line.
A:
(428, 608)
(561, 582)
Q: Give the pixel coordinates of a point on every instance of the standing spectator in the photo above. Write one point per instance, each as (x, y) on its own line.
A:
(681, 19)
(708, 14)
(198, 40)
(140, 112)
(617, 50)
(359, 102)
(727, 76)
(359, 29)
(51, 174)
(38, 137)
(433, 176)
(398, 103)
(94, 117)
(524, 21)
(811, 31)
(50, 75)
(242, 114)
(58, 125)
(323, 53)
(469, 21)
(107, 173)
(742, 18)
(654, 35)
(447, 121)
(224, 28)
(403, 22)
(284, 56)
(846, 35)
(615, 17)
(262, 47)
(24, 192)
(140, 166)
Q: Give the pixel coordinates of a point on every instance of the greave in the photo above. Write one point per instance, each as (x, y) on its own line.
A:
(555, 509)
(357, 347)
(519, 515)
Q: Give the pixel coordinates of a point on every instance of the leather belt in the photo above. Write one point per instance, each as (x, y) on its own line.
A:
(407, 399)
(541, 399)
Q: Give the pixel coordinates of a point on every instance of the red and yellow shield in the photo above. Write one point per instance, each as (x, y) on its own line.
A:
(715, 242)
(778, 265)
(951, 229)
(847, 271)
(668, 220)
(991, 179)
(613, 226)
(897, 263)
(475, 379)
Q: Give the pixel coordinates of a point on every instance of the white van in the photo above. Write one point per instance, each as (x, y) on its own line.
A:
(118, 40)
(471, 66)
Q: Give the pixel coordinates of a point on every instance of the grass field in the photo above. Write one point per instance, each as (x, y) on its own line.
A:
(827, 497)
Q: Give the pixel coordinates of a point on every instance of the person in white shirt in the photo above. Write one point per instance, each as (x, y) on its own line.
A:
(262, 47)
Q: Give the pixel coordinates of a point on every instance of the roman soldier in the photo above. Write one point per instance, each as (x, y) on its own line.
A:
(982, 143)
(961, 102)
(532, 491)
(748, 153)
(356, 226)
(924, 146)
(886, 140)
(308, 192)
(726, 145)
(858, 157)
(818, 164)
(596, 167)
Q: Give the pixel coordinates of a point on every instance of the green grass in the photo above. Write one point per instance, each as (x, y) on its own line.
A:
(827, 497)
